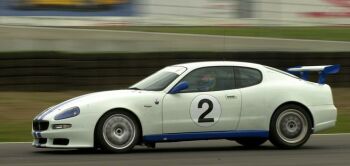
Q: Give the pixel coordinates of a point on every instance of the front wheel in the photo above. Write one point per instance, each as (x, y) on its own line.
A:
(117, 132)
(290, 127)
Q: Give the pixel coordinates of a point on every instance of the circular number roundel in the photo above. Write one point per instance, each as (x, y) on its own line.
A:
(205, 110)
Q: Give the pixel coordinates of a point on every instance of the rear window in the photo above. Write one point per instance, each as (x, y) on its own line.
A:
(245, 77)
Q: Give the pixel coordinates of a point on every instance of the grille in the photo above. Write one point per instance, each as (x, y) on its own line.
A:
(40, 125)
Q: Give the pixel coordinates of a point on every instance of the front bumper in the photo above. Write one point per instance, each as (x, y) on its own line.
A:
(78, 136)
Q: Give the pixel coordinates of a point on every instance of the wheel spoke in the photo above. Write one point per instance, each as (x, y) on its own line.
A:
(292, 126)
(119, 131)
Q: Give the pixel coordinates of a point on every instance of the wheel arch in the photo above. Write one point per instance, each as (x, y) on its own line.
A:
(298, 104)
(119, 109)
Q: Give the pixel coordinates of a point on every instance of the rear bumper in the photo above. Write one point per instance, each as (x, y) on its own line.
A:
(325, 117)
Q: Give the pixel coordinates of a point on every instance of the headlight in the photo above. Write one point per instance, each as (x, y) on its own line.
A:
(68, 113)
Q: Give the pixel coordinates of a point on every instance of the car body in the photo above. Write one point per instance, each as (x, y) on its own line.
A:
(193, 101)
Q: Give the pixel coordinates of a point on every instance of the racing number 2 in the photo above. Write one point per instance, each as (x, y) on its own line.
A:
(205, 110)
(202, 118)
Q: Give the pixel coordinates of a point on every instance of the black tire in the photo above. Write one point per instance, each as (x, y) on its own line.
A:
(117, 132)
(251, 142)
(290, 127)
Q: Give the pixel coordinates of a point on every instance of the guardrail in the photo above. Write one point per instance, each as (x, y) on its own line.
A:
(52, 71)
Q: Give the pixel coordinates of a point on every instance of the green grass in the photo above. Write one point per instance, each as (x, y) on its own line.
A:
(315, 33)
(15, 131)
(343, 123)
(17, 109)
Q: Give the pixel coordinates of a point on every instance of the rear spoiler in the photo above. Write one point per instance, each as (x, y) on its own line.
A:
(323, 71)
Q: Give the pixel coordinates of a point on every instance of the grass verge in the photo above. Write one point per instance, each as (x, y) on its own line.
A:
(314, 33)
(17, 109)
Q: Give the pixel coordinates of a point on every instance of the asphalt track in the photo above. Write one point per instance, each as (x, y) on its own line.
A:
(320, 150)
(15, 38)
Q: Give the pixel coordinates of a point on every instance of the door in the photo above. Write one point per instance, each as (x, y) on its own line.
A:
(211, 103)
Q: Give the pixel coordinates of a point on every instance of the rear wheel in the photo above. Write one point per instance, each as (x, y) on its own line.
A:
(117, 132)
(290, 127)
(251, 142)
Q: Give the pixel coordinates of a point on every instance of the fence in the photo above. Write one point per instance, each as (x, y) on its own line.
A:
(50, 71)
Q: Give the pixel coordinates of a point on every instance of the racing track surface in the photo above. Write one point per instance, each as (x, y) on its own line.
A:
(15, 38)
(320, 150)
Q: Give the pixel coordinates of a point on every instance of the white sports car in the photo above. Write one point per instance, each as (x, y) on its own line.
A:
(245, 102)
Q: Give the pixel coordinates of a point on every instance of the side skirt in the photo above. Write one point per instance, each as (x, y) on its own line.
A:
(173, 137)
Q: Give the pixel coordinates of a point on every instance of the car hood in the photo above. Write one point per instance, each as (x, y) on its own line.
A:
(90, 99)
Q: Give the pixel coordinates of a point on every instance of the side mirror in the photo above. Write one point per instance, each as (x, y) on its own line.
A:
(179, 87)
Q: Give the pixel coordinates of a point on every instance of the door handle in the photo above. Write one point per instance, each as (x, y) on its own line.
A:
(230, 96)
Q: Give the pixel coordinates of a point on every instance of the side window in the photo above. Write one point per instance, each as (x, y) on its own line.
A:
(245, 77)
(210, 79)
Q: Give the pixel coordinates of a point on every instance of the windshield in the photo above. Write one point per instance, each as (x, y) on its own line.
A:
(159, 80)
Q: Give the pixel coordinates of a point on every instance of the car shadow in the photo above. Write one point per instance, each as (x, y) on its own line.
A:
(144, 150)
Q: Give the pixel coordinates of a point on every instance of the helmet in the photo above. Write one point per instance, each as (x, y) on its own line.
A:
(207, 82)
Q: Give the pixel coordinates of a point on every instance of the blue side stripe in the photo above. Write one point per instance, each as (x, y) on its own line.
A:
(206, 135)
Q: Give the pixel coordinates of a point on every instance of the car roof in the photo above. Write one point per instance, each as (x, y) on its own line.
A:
(194, 65)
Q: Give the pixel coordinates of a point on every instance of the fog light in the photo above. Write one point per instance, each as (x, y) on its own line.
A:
(61, 126)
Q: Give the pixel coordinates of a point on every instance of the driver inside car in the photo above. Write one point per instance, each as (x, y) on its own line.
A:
(207, 82)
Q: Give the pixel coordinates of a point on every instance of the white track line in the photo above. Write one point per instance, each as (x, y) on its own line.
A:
(174, 34)
(15, 142)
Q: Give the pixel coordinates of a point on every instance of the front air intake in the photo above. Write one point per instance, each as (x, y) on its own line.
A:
(40, 125)
(60, 141)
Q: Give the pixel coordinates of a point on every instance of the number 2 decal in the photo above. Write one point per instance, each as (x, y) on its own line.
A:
(202, 118)
(205, 110)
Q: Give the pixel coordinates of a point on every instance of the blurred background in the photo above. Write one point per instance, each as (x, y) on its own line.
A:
(52, 50)
(183, 12)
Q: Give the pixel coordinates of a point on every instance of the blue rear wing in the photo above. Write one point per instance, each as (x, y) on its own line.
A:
(323, 71)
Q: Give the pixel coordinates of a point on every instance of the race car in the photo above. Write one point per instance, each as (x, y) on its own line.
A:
(66, 3)
(245, 102)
